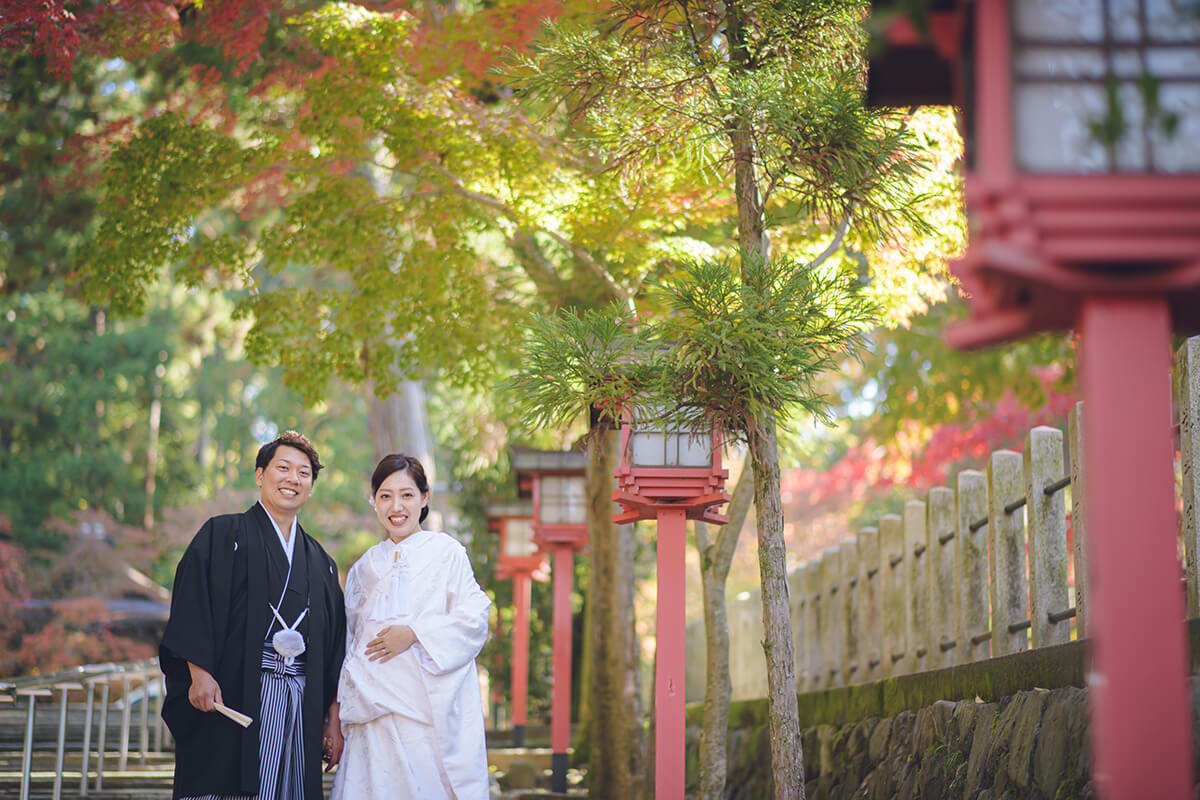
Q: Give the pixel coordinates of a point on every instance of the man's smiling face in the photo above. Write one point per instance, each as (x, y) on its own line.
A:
(286, 482)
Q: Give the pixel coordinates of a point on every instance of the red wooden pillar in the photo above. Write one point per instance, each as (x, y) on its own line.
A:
(670, 676)
(520, 655)
(560, 720)
(560, 528)
(1140, 702)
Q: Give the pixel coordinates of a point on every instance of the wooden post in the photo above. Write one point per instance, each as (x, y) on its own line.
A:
(870, 644)
(852, 667)
(943, 593)
(916, 590)
(1187, 394)
(971, 568)
(893, 612)
(670, 658)
(1079, 519)
(1009, 589)
(1047, 519)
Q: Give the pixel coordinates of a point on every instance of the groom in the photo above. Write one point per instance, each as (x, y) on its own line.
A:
(257, 625)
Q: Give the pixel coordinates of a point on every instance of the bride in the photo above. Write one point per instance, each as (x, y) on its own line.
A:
(411, 716)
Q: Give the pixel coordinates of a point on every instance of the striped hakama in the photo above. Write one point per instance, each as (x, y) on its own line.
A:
(280, 732)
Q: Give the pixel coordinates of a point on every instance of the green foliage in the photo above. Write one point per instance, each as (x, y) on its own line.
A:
(730, 346)
(155, 187)
(737, 344)
(46, 205)
(573, 361)
(74, 412)
(671, 81)
(78, 389)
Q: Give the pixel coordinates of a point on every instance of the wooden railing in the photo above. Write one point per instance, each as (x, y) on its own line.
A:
(976, 570)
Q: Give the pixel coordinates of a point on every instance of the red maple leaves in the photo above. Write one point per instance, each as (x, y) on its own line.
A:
(61, 31)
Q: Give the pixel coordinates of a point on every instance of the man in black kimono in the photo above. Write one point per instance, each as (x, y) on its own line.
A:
(258, 624)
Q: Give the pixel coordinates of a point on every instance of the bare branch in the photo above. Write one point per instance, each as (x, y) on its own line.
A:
(836, 244)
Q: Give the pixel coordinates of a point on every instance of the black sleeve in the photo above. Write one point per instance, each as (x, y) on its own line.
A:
(336, 652)
(190, 632)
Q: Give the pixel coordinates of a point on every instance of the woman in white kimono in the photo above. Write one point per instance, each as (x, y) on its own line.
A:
(408, 700)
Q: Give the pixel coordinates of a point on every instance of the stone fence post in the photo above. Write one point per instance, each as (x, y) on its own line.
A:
(893, 610)
(851, 670)
(832, 617)
(973, 631)
(812, 592)
(798, 603)
(1006, 542)
(943, 597)
(1047, 519)
(916, 592)
(870, 579)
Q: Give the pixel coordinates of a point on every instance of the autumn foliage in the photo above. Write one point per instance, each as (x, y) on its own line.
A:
(73, 626)
(826, 504)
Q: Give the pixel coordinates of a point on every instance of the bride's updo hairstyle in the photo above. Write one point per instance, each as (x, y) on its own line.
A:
(399, 462)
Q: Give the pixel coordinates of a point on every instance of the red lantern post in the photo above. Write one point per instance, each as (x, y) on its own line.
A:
(670, 476)
(1085, 214)
(520, 560)
(560, 528)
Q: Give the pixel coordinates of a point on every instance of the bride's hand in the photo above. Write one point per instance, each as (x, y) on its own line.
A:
(390, 642)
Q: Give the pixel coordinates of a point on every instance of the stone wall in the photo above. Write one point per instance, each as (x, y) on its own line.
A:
(1031, 745)
(1022, 735)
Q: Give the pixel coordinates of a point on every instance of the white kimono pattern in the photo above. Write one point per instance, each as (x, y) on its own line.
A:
(414, 725)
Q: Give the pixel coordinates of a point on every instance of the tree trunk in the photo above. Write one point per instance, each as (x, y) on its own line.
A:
(617, 751)
(715, 560)
(152, 449)
(398, 424)
(787, 759)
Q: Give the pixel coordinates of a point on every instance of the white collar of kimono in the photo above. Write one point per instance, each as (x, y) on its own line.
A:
(288, 544)
(410, 542)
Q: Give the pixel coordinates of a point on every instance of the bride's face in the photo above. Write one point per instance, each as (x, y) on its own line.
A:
(398, 504)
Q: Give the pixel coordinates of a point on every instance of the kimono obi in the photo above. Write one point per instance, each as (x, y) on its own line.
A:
(273, 662)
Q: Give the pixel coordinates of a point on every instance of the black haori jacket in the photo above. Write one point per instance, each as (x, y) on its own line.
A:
(219, 614)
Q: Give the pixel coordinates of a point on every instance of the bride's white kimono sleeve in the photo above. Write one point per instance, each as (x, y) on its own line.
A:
(435, 682)
(451, 624)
